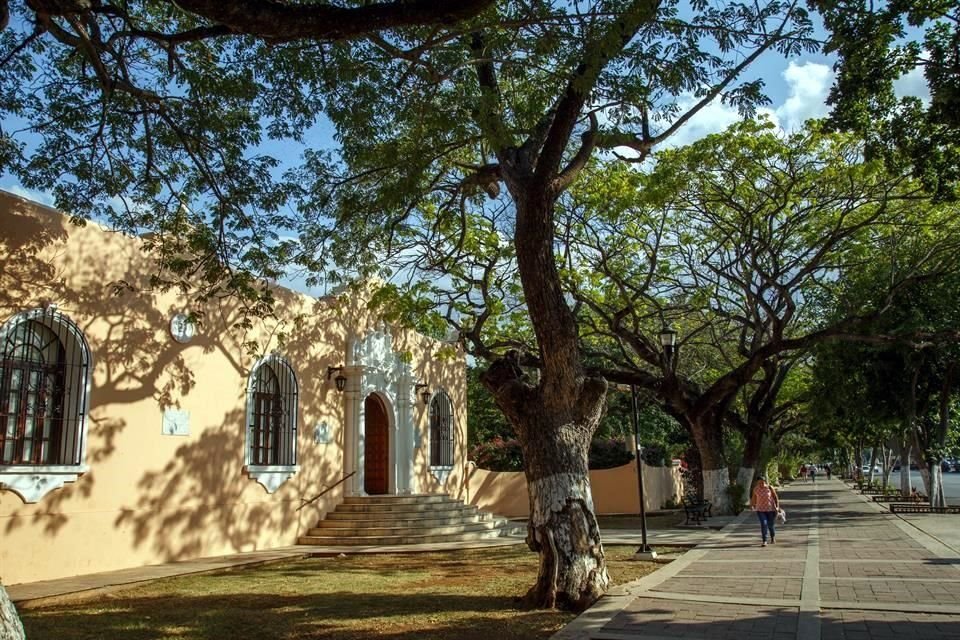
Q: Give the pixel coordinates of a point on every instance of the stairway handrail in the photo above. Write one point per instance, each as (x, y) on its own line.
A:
(304, 503)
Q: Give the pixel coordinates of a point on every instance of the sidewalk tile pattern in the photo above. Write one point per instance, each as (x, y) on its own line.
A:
(840, 559)
(697, 620)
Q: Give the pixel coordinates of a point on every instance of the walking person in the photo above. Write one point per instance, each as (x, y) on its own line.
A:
(765, 502)
(826, 468)
(813, 473)
(803, 472)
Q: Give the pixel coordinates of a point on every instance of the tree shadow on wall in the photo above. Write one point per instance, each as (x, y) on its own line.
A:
(27, 276)
(131, 358)
(196, 498)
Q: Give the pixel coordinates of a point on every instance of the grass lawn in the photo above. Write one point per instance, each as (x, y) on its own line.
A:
(465, 595)
(662, 520)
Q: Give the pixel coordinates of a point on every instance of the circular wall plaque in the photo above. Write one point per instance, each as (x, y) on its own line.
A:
(182, 328)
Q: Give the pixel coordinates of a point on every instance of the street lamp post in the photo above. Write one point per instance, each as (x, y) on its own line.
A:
(668, 340)
(644, 551)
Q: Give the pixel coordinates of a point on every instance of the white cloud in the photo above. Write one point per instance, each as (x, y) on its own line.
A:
(912, 83)
(713, 118)
(809, 84)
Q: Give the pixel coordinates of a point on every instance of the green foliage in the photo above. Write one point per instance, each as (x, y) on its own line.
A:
(498, 454)
(673, 502)
(738, 497)
(501, 454)
(485, 421)
(877, 43)
(609, 453)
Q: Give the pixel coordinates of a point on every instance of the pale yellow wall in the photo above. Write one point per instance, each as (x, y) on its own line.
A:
(149, 497)
(614, 490)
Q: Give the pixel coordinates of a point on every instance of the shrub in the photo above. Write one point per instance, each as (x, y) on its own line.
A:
(506, 455)
(609, 453)
(737, 493)
(498, 455)
(672, 502)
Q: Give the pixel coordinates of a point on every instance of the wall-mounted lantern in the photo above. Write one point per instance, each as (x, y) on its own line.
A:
(425, 394)
(340, 380)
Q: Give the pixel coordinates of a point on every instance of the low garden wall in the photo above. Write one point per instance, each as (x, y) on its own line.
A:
(614, 490)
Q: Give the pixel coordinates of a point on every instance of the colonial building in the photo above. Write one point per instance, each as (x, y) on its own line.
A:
(130, 434)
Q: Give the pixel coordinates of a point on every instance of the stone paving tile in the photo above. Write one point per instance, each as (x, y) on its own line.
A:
(705, 620)
(879, 590)
(836, 550)
(745, 586)
(724, 569)
(874, 554)
(886, 625)
(749, 555)
(888, 569)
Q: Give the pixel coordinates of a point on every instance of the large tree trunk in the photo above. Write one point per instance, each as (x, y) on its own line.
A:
(886, 463)
(936, 484)
(563, 526)
(708, 438)
(554, 419)
(752, 447)
(903, 451)
(10, 627)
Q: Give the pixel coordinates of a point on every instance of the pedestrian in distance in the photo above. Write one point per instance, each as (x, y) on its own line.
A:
(826, 469)
(803, 472)
(813, 472)
(765, 501)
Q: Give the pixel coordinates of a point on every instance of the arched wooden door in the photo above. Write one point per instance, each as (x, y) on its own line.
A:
(376, 446)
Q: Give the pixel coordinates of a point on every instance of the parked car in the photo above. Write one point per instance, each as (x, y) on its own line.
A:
(866, 469)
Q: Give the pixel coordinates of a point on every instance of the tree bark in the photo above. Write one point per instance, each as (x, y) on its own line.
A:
(563, 527)
(752, 447)
(936, 484)
(554, 419)
(903, 452)
(708, 437)
(886, 463)
(10, 626)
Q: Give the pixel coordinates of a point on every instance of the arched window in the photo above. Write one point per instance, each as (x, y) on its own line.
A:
(44, 393)
(441, 430)
(272, 396)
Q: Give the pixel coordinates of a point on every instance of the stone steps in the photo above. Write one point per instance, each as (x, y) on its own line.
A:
(405, 520)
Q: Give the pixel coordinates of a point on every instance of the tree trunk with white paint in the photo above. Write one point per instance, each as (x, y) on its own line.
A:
(936, 484)
(10, 626)
(886, 463)
(903, 452)
(555, 436)
(708, 438)
(751, 463)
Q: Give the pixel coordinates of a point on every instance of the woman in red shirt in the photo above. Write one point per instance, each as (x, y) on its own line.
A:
(765, 502)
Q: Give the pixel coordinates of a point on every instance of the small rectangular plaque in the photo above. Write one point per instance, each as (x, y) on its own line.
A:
(176, 422)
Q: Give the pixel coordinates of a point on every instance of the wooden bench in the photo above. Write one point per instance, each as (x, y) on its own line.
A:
(916, 507)
(698, 510)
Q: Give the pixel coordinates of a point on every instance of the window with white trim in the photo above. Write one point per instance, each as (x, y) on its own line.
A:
(44, 396)
(271, 438)
(441, 430)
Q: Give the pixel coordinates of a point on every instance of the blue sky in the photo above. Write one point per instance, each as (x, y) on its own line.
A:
(797, 89)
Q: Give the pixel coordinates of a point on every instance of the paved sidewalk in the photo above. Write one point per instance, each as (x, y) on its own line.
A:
(843, 568)
(37, 593)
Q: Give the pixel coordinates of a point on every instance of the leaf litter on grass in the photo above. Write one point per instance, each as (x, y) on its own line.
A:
(466, 595)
